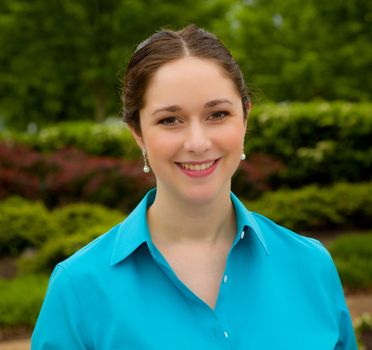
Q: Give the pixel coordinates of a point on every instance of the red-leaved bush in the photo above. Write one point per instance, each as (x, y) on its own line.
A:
(256, 175)
(70, 175)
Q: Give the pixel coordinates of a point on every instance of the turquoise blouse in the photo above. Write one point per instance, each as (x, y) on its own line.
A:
(279, 291)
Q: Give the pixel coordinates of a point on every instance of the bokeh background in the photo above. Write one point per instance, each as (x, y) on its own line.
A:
(69, 169)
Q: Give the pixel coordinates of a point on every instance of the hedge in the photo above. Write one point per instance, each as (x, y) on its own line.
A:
(25, 224)
(21, 299)
(342, 205)
(111, 138)
(54, 251)
(319, 142)
(70, 175)
(80, 216)
(352, 254)
(363, 331)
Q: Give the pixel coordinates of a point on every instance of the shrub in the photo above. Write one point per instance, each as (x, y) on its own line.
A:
(23, 224)
(56, 250)
(318, 142)
(77, 224)
(79, 216)
(254, 175)
(317, 208)
(70, 175)
(352, 254)
(363, 331)
(22, 171)
(21, 299)
(111, 139)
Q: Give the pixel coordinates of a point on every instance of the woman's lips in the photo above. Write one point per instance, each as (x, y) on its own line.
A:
(198, 169)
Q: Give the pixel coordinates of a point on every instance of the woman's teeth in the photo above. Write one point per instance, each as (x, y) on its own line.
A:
(197, 167)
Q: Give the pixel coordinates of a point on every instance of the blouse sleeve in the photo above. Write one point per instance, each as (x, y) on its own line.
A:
(60, 323)
(347, 340)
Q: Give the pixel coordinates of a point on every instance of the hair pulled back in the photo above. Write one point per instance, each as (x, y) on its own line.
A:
(166, 46)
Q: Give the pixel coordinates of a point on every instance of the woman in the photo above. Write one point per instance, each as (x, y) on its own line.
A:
(191, 267)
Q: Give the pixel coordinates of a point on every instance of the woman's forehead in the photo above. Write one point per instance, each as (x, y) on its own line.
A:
(190, 78)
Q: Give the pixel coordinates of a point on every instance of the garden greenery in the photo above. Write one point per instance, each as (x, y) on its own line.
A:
(21, 299)
(352, 254)
(315, 208)
(29, 225)
(311, 134)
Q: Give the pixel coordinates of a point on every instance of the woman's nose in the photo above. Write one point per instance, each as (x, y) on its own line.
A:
(197, 139)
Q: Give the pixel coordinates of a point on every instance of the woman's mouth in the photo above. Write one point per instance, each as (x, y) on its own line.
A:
(198, 169)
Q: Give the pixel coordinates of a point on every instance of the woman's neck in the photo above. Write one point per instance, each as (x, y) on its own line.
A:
(175, 221)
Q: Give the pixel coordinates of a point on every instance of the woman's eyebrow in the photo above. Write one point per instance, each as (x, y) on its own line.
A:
(216, 102)
(173, 108)
(176, 108)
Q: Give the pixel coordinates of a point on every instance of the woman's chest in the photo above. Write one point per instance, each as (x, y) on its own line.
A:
(161, 319)
(202, 272)
(154, 309)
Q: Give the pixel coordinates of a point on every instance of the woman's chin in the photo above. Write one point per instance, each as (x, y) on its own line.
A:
(202, 195)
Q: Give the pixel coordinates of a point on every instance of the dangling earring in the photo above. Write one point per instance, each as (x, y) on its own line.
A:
(242, 157)
(146, 168)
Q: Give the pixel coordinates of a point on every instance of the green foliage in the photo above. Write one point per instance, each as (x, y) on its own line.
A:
(111, 138)
(363, 328)
(352, 255)
(56, 250)
(78, 224)
(21, 299)
(316, 208)
(63, 60)
(298, 55)
(75, 217)
(52, 72)
(24, 224)
(318, 142)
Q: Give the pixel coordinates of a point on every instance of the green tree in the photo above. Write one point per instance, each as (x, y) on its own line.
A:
(62, 59)
(300, 50)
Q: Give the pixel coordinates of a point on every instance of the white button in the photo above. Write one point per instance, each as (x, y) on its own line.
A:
(225, 279)
(242, 235)
(226, 334)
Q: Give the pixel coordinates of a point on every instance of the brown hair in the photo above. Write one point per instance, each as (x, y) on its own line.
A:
(166, 46)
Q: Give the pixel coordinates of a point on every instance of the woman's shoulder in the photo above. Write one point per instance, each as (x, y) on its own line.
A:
(278, 237)
(302, 255)
(94, 254)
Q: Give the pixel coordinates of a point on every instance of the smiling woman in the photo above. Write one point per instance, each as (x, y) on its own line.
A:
(191, 267)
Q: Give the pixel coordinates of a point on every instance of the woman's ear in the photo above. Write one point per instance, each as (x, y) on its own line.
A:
(249, 108)
(137, 137)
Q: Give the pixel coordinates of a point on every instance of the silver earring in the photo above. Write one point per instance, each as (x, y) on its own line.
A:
(146, 168)
(242, 157)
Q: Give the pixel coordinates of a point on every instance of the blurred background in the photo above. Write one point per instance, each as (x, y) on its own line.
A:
(69, 169)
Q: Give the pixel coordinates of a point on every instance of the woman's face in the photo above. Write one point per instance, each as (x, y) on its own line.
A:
(192, 129)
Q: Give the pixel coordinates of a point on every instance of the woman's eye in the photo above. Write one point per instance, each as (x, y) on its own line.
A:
(219, 115)
(170, 121)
